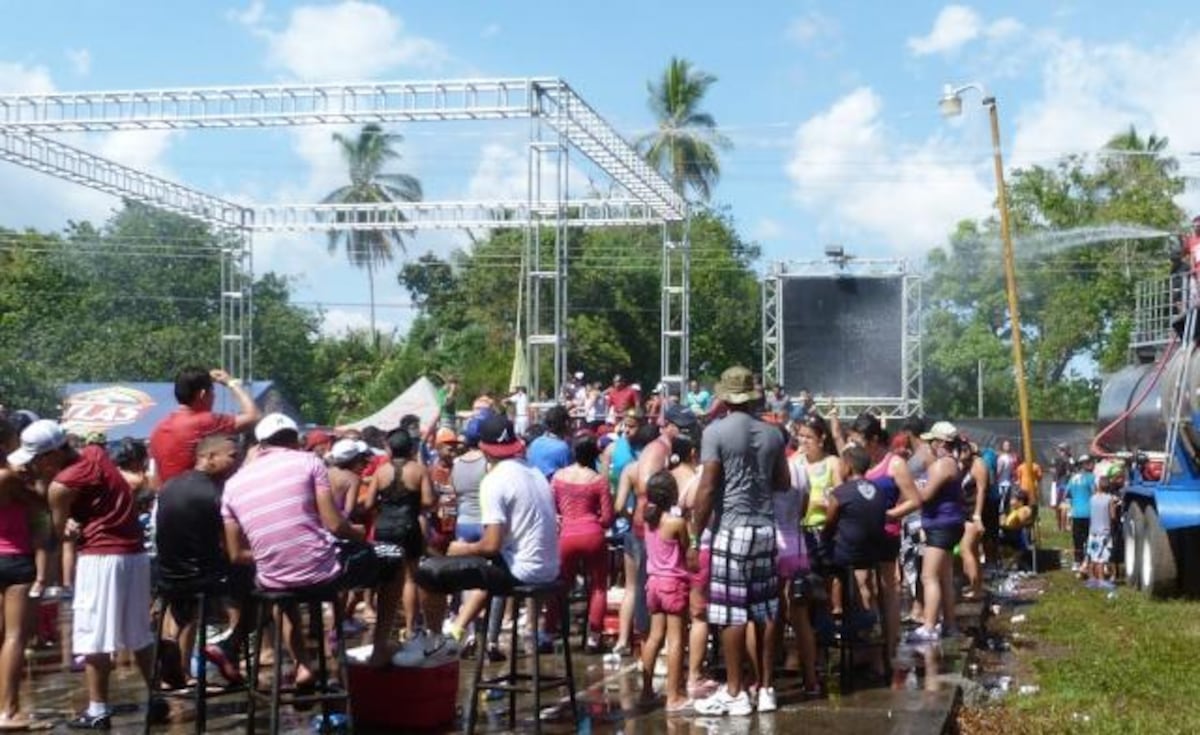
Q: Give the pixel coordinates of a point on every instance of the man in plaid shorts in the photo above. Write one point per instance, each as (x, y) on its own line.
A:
(743, 463)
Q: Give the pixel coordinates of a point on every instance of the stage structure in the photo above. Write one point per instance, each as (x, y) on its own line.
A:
(846, 329)
(561, 125)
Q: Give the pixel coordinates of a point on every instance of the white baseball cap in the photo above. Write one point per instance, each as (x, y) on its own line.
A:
(272, 424)
(346, 450)
(38, 438)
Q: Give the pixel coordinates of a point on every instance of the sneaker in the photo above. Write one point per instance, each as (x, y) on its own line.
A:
(924, 635)
(722, 703)
(91, 722)
(495, 655)
(412, 653)
(228, 667)
(468, 648)
(766, 700)
(439, 649)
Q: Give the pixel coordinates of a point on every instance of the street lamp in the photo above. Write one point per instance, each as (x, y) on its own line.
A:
(951, 105)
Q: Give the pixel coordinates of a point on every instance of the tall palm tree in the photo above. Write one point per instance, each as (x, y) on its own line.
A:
(366, 155)
(684, 148)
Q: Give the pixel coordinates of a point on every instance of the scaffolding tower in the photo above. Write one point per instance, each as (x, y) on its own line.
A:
(561, 123)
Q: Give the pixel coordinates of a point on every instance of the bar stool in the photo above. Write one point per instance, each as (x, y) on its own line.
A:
(325, 694)
(517, 682)
(168, 599)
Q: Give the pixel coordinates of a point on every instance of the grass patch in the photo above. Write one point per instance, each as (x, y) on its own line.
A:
(1120, 665)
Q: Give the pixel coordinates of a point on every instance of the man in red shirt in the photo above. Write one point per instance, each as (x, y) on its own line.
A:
(173, 441)
(622, 396)
(112, 581)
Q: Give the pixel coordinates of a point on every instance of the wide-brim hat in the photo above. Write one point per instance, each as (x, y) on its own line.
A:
(737, 386)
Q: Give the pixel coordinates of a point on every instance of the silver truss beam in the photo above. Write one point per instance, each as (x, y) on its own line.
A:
(676, 286)
(271, 105)
(428, 101)
(448, 215)
(912, 367)
(72, 164)
(772, 326)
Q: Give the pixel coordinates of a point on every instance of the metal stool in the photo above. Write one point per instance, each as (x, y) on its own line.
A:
(324, 694)
(514, 682)
(167, 599)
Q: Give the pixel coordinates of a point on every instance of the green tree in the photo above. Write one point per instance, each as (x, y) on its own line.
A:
(366, 156)
(1076, 303)
(684, 147)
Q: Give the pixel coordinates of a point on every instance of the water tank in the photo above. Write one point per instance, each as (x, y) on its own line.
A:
(1145, 428)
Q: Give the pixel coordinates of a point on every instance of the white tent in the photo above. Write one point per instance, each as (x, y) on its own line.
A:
(419, 399)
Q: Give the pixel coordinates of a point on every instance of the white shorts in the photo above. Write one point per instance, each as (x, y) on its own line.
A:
(112, 603)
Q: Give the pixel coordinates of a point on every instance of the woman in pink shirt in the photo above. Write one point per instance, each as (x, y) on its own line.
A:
(585, 511)
(16, 576)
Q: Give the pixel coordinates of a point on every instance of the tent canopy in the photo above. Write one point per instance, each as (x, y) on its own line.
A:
(123, 410)
(419, 399)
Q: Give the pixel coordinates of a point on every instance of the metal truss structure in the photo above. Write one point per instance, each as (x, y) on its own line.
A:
(910, 401)
(562, 123)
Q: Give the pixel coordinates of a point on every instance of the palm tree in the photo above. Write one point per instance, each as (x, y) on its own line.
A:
(365, 157)
(684, 148)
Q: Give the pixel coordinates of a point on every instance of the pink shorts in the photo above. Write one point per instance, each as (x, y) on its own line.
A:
(790, 566)
(667, 595)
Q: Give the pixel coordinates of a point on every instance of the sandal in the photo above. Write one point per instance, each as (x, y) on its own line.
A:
(703, 688)
(688, 707)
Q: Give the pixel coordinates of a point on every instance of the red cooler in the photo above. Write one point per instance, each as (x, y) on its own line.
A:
(418, 698)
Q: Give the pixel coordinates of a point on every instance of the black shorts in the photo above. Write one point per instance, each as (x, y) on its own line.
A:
(17, 569)
(889, 549)
(449, 574)
(945, 537)
(402, 530)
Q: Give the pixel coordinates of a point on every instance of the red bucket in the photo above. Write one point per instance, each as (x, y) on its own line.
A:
(404, 698)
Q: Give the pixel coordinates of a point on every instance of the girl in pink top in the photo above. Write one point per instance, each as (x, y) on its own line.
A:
(16, 576)
(585, 511)
(666, 587)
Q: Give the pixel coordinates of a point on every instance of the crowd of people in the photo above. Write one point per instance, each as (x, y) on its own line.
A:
(736, 511)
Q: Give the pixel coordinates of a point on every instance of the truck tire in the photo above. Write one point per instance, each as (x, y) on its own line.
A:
(1134, 522)
(1158, 570)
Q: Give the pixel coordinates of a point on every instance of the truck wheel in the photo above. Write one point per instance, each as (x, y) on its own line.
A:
(1159, 577)
(1134, 522)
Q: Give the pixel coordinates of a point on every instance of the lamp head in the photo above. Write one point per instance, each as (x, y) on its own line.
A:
(950, 105)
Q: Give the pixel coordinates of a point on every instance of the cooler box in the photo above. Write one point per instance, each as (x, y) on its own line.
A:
(417, 698)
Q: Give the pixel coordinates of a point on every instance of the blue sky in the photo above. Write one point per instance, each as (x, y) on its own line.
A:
(831, 106)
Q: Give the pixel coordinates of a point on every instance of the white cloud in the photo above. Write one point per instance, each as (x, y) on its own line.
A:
(491, 30)
(340, 321)
(958, 25)
(343, 42)
(16, 78)
(812, 27)
(501, 175)
(251, 16)
(766, 229)
(847, 167)
(81, 61)
(954, 26)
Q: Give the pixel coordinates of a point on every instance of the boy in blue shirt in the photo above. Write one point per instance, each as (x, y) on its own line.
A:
(1079, 493)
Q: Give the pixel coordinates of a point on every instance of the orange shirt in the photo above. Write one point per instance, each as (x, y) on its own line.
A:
(1028, 479)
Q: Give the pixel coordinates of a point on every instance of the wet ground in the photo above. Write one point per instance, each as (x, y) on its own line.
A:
(920, 698)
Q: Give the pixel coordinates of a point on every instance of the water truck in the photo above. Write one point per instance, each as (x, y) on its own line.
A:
(1149, 414)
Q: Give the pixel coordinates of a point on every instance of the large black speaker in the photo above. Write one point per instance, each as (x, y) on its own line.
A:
(843, 336)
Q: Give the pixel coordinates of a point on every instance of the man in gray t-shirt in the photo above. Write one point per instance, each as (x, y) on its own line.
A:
(743, 463)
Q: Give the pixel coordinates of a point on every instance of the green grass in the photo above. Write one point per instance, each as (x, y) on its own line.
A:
(1127, 664)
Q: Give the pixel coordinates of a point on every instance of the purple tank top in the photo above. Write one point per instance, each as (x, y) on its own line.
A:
(945, 509)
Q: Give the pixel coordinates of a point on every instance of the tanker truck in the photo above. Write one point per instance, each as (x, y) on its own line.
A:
(1149, 413)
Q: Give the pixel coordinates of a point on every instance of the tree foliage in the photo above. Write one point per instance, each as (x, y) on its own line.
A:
(1076, 303)
(133, 300)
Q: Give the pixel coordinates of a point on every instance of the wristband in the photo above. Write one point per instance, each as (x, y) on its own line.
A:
(233, 382)
(695, 544)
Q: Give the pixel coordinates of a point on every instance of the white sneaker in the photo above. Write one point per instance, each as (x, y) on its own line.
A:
(766, 700)
(722, 703)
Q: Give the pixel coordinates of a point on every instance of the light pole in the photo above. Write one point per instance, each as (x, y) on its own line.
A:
(951, 106)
